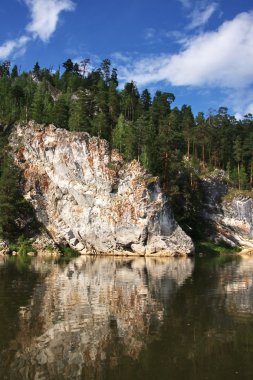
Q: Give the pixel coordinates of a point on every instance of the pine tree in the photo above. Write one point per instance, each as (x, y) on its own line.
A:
(118, 135)
(5, 69)
(238, 158)
(105, 70)
(61, 112)
(146, 101)
(14, 72)
(201, 135)
(9, 198)
(42, 105)
(113, 98)
(187, 126)
(37, 71)
(130, 103)
(80, 118)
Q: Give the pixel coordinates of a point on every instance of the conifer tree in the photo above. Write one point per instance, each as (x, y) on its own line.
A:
(187, 125)
(238, 157)
(14, 72)
(61, 112)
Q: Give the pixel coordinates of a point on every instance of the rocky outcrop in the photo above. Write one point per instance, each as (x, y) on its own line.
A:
(4, 249)
(45, 246)
(231, 217)
(42, 245)
(87, 197)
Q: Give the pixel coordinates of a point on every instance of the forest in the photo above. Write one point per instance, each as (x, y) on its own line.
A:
(170, 142)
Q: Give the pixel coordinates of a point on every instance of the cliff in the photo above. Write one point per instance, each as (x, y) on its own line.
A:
(231, 217)
(89, 198)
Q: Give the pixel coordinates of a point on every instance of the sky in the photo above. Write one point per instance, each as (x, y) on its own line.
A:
(200, 50)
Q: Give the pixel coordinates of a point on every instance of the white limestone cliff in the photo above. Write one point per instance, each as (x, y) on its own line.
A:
(231, 217)
(89, 198)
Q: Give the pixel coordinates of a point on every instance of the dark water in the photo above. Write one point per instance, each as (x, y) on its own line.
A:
(108, 318)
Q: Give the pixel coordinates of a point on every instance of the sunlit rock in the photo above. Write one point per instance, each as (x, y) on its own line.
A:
(232, 217)
(87, 197)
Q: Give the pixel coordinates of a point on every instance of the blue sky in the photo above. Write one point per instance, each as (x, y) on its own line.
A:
(201, 50)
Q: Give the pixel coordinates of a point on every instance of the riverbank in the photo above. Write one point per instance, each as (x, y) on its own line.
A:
(44, 246)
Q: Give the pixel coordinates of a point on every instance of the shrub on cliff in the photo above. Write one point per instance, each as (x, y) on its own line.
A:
(16, 214)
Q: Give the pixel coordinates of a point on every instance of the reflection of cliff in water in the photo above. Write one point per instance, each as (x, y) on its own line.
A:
(239, 287)
(91, 312)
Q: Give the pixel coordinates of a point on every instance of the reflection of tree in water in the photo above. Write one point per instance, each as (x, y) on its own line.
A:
(93, 312)
(200, 337)
(13, 294)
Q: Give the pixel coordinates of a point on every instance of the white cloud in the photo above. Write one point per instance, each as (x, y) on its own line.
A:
(178, 37)
(120, 57)
(241, 101)
(201, 14)
(249, 109)
(149, 33)
(45, 16)
(186, 3)
(13, 46)
(223, 58)
(198, 12)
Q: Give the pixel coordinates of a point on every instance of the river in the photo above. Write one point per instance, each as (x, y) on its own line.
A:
(119, 318)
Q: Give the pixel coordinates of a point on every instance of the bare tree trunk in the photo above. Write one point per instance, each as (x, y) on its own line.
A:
(166, 170)
(251, 175)
(238, 173)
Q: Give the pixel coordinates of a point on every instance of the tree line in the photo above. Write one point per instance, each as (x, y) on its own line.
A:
(170, 142)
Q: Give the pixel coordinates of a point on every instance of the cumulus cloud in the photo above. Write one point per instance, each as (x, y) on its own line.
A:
(222, 58)
(241, 101)
(45, 16)
(13, 47)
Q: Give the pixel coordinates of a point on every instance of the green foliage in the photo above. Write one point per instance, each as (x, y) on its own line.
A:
(16, 214)
(67, 251)
(80, 108)
(236, 192)
(10, 198)
(50, 248)
(42, 105)
(60, 114)
(168, 141)
(22, 246)
(151, 180)
(208, 247)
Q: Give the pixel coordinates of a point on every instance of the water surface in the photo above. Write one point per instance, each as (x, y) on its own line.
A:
(115, 318)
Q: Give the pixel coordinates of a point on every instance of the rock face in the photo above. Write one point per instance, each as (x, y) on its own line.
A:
(87, 197)
(4, 249)
(232, 219)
